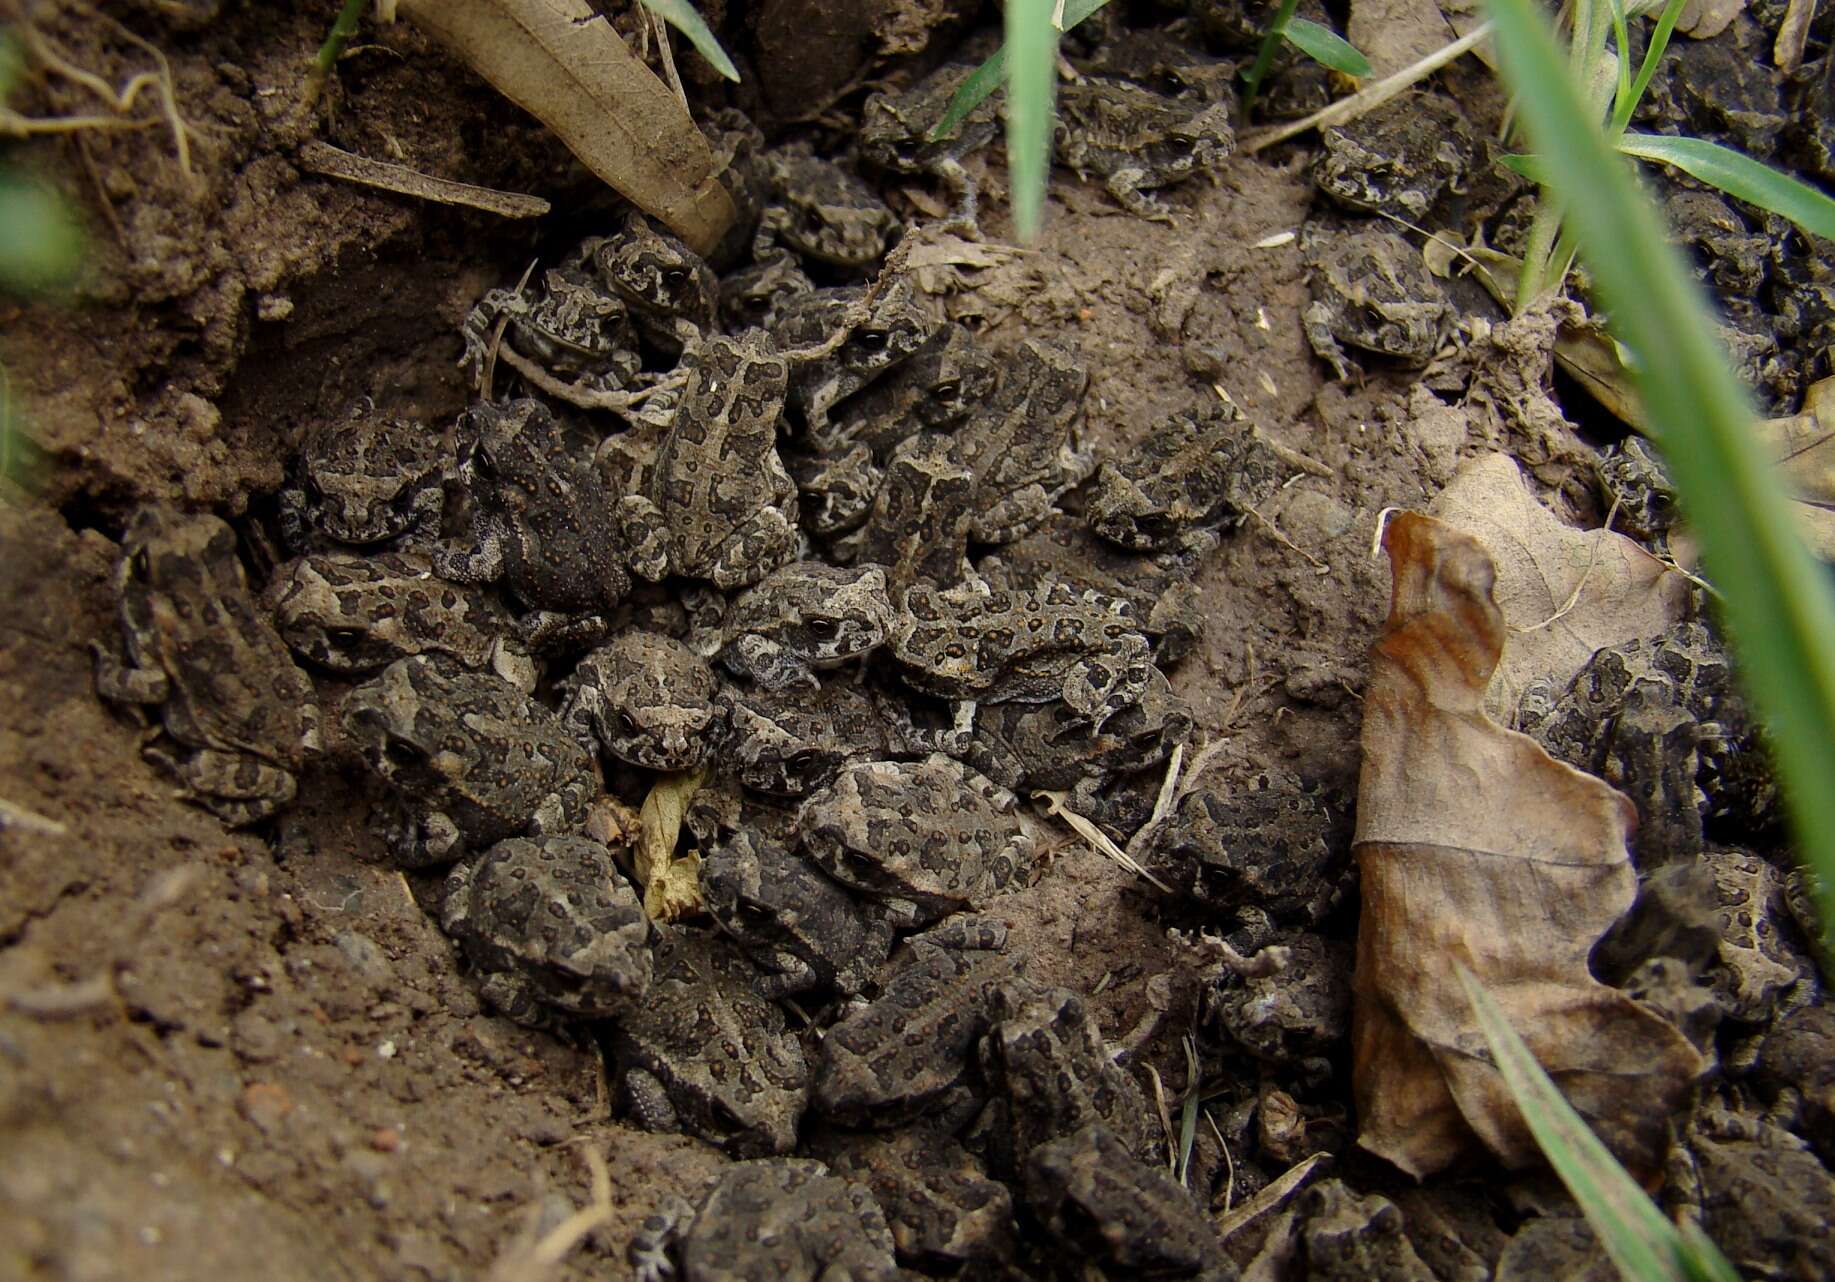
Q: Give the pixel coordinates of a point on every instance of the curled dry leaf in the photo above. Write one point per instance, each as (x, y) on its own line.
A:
(672, 886)
(1477, 847)
(1565, 593)
(562, 62)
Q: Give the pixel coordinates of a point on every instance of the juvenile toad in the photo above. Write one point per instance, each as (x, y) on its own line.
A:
(1196, 471)
(567, 333)
(942, 1208)
(803, 929)
(1023, 444)
(822, 212)
(805, 618)
(972, 642)
(1372, 291)
(358, 614)
(1102, 1203)
(707, 1055)
(237, 717)
(544, 523)
(1136, 140)
(647, 699)
(789, 742)
(669, 289)
(771, 1218)
(895, 139)
(923, 837)
(469, 759)
(1051, 1072)
(729, 504)
(910, 1052)
(367, 480)
(1348, 1237)
(551, 927)
(862, 334)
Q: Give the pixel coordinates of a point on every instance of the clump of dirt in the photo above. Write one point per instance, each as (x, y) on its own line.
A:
(255, 1052)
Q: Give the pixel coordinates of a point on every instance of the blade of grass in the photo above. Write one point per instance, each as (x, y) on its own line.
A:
(1641, 1240)
(1264, 56)
(686, 19)
(1659, 41)
(1326, 47)
(1777, 600)
(986, 78)
(1739, 175)
(1032, 48)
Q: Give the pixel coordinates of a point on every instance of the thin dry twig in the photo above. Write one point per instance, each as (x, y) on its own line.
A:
(334, 162)
(1272, 1195)
(1372, 97)
(1096, 837)
(532, 1259)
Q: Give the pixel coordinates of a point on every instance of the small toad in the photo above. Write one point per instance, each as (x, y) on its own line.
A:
(1197, 470)
(718, 481)
(1102, 1203)
(804, 618)
(923, 837)
(787, 743)
(943, 1209)
(544, 523)
(551, 927)
(857, 335)
(647, 699)
(358, 614)
(974, 642)
(468, 758)
(706, 1055)
(822, 212)
(237, 717)
(368, 481)
(803, 929)
(895, 138)
(1371, 291)
(669, 289)
(773, 1218)
(567, 334)
(1135, 139)
(909, 1053)
(1023, 444)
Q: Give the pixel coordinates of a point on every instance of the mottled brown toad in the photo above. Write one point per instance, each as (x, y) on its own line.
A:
(237, 718)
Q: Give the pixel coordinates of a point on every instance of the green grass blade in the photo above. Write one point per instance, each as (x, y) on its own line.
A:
(1032, 75)
(41, 242)
(986, 78)
(981, 82)
(1621, 36)
(1739, 175)
(686, 19)
(1641, 1240)
(1264, 55)
(1777, 600)
(1323, 45)
(1653, 54)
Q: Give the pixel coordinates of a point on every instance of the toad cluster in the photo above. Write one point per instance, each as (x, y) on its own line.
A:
(781, 524)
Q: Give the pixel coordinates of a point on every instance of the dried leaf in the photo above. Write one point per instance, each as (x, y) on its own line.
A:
(562, 62)
(1477, 848)
(672, 886)
(1604, 588)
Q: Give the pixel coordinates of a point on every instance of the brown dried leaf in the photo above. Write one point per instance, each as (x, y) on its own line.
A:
(1477, 847)
(561, 61)
(1623, 593)
(672, 886)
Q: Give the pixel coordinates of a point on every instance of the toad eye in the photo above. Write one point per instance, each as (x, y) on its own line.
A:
(674, 278)
(138, 565)
(823, 629)
(627, 723)
(402, 753)
(872, 339)
(482, 463)
(345, 638)
(948, 391)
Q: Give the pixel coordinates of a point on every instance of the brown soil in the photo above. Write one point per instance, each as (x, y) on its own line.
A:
(238, 1055)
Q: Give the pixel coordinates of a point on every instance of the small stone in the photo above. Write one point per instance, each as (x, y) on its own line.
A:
(265, 1105)
(253, 1037)
(385, 1139)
